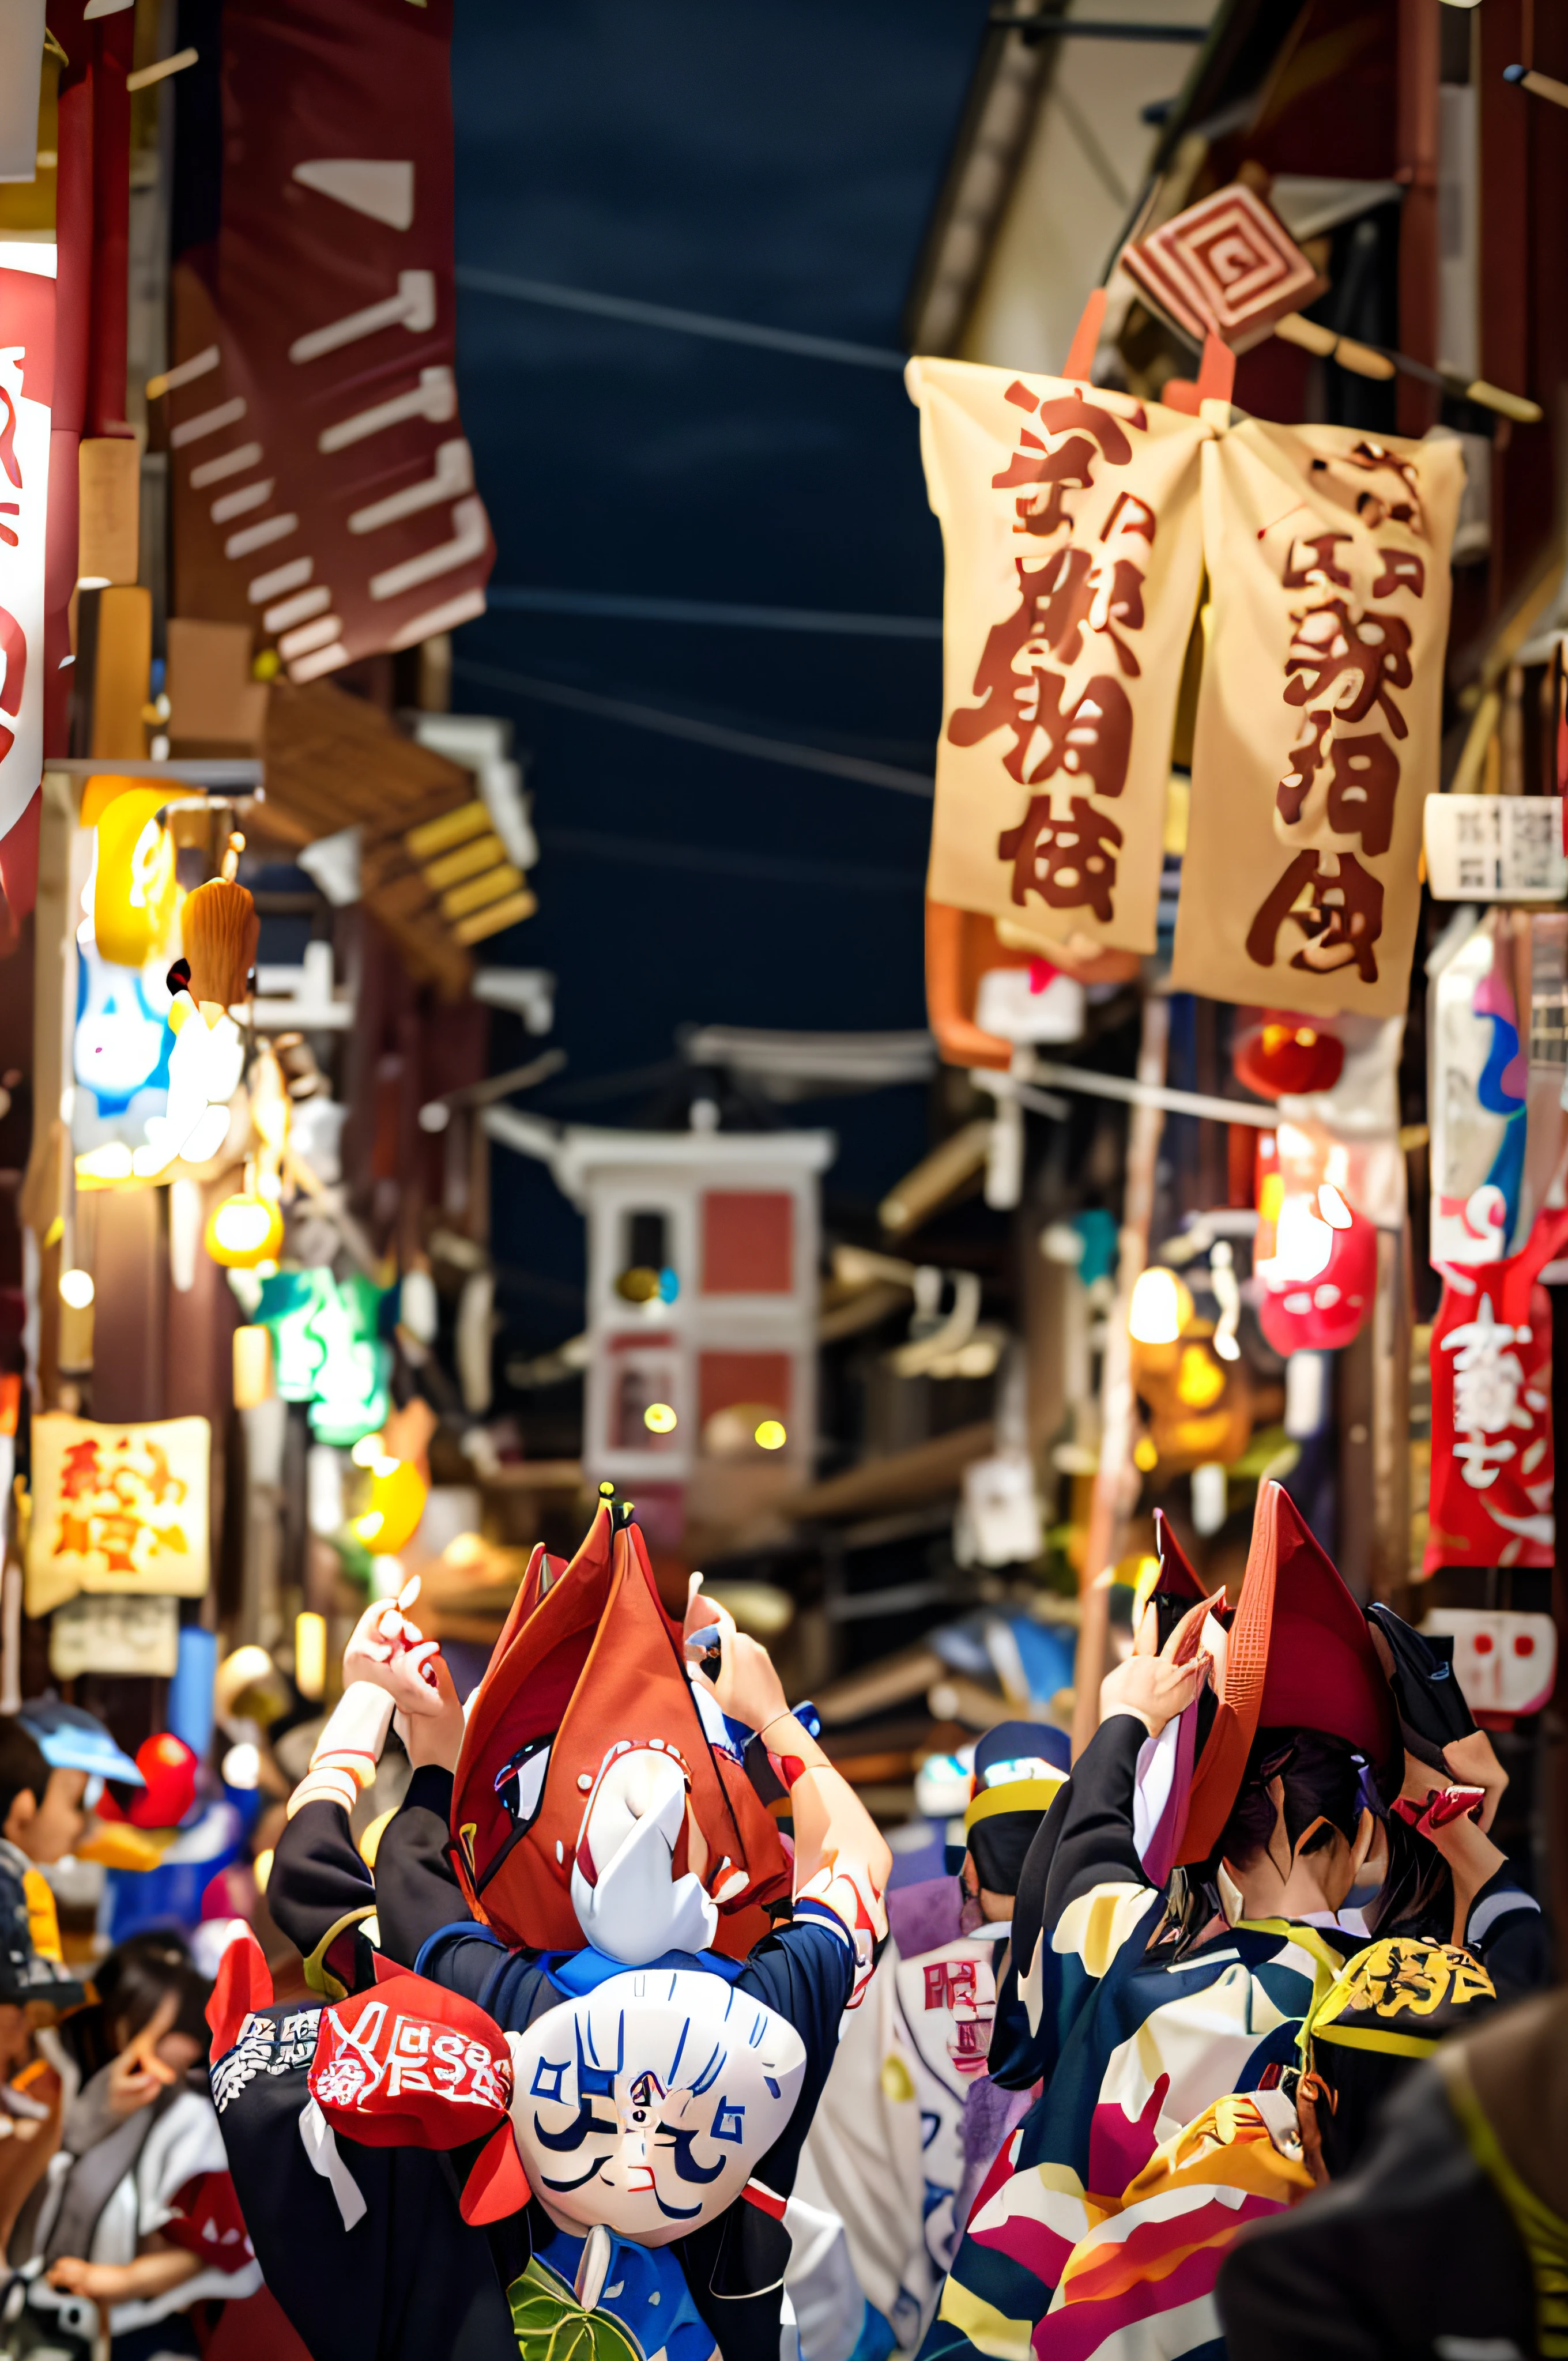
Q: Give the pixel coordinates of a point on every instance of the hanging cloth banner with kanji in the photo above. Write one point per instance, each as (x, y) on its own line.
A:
(1491, 1409)
(1319, 715)
(117, 1509)
(1069, 520)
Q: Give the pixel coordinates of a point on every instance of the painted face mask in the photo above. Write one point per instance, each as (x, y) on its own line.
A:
(648, 2104)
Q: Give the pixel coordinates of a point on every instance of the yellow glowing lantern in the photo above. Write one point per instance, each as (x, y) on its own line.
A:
(134, 890)
(244, 1230)
(309, 1655)
(252, 1367)
(398, 1494)
(1160, 1308)
(771, 1434)
(660, 1419)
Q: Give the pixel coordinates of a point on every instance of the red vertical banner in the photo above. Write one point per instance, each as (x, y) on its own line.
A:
(321, 485)
(26, 384)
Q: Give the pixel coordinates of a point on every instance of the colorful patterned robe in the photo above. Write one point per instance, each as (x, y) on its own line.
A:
(1100, 2228)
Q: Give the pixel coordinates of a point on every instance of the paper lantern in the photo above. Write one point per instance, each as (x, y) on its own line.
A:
(309, 1655)
(133, 891)
(1160, 1308)
(398, 1494)
(1319, 1282)
(252, 1367)
(1285, 1055)
(245, 1230)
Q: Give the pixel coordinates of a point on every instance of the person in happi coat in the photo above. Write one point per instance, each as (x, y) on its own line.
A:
(1449, 2235)
(911, 2119)
(1163, 2016)
(585, 1859)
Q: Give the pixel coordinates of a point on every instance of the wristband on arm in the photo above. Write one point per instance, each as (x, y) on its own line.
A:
(344, 1757)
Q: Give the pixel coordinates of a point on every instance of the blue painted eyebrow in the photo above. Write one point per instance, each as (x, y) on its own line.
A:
(687, 2170)
(576, 2132)
(711, 2071)
(564, 2187)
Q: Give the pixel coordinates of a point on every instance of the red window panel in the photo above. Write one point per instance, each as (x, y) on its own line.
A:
(747, 1242)
(725, 1379)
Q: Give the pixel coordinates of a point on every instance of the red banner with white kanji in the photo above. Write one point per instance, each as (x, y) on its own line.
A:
(1492, 1469)
(1070, 521)
(1319, 716)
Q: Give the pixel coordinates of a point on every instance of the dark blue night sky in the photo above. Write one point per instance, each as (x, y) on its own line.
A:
(773, 165)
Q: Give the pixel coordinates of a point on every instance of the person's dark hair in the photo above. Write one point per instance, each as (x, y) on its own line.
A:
(1416, 1895)
(137, 1977)
(23, 1770)
(1323, 1778)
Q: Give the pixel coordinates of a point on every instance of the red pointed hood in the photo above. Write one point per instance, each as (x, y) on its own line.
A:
(1300, 1656)
(1177, 1578)
(593, 1661)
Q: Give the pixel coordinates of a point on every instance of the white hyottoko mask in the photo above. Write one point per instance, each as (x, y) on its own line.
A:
(648, 2104)
(629, 1901)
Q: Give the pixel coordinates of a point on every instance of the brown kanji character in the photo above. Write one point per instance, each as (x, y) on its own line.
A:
(117, 1536)
(1069, 469)
(1306, 761)
(75, 1537)
(1338, 908)
(1364, 778)
(1319, 569)
(1130, 514)
(1403, 569)
(1349, 665)
(1093, 738)
(1399, 501)
(1075, 590)
(1363, 785)
(1067, 862)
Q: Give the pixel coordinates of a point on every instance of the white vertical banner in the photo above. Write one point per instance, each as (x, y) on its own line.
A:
(26, 388)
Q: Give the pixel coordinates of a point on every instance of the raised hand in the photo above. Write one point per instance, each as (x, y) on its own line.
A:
(1156, 1688)
(747, 1687)
(393, 1654)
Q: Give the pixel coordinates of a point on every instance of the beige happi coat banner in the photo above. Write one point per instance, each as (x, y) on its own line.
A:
(1319, 716)
(117, 1509)
(1069, 520)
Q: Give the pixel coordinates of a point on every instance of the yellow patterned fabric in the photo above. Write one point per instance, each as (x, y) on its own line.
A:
(1543, 2232)
(43, 1924)
(1404, 1992)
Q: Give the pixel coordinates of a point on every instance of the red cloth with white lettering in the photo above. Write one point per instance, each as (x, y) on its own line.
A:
(1491, 1410)
(408, 2065)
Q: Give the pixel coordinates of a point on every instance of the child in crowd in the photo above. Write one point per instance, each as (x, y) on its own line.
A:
(134, 2221)
(43, 1812)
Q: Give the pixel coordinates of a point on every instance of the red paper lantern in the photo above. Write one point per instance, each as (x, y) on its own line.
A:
(1285, 1055)
(1319, 1281)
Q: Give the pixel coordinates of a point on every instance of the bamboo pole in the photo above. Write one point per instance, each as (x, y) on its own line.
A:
(1110, 1503)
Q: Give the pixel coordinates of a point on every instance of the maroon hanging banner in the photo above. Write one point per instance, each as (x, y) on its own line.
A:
(27, 385)
(323, 488)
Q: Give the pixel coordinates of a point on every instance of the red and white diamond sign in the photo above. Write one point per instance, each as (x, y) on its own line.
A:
(1226, 267)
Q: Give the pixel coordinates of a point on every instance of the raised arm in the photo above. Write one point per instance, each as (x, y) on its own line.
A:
(841, 1859)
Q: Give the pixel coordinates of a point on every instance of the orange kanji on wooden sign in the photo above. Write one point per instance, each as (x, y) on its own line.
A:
(117, 1509)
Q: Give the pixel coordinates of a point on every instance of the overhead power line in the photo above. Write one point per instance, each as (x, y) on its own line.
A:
(719, 861)
(726, 740)
(632, 606)
(666, 315)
